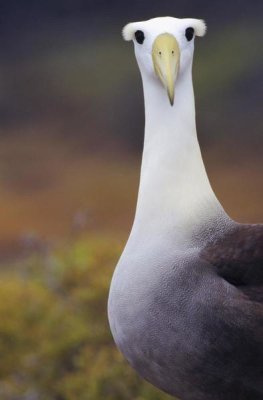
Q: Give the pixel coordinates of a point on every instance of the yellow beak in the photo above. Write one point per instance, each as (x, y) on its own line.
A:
(166, 61)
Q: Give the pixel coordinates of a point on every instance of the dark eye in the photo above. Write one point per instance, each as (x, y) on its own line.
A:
(189, 33)
(139, 36)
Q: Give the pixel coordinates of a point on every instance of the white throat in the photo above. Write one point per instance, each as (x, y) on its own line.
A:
(174, 194)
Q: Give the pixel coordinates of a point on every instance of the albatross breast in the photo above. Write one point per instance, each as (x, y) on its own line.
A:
(185, 328)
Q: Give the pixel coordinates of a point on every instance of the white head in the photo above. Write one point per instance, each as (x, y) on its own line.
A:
(164, 47)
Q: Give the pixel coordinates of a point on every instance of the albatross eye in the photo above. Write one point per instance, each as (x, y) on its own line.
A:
(189, 33)
(139, 36)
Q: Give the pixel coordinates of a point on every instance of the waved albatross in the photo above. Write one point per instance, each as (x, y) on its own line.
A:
(186, 299)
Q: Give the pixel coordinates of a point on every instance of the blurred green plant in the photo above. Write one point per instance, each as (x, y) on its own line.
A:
(55, 341)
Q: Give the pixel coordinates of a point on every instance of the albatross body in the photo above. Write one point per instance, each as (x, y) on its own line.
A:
(186, 299)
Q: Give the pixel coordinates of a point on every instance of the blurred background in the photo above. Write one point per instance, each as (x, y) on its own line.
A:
(71, 135)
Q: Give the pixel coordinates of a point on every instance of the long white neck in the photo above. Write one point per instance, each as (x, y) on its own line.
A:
(174, 194)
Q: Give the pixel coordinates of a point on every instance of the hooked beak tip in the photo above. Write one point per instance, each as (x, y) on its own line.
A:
(170, 92)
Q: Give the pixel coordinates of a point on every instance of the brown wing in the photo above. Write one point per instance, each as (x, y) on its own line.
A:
(238, 258)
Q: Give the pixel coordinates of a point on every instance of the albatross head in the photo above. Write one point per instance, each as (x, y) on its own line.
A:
(164, 47)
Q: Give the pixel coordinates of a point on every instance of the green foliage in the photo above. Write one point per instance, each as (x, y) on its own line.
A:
(55, 341)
